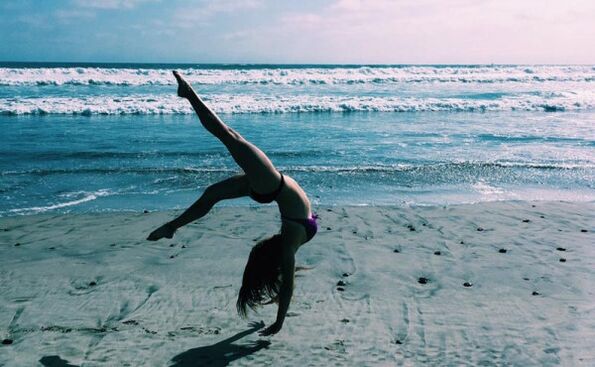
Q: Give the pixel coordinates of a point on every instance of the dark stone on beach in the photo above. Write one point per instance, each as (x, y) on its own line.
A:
(437, 253)
(113, 245)
(172, 256)
(526, 220)
(562, 260)
(535, 293)
(328, 228)
(533, 206)
(354, 232)
(584, 230)
(502, 250)
(52, 248)
(17, 244)
(183, 246)
(396, 251)
(525, 278)
(398, 341)
(346, 274)
(423, 224)
(561, 249)
(345, 321)
(422, 280)
(462, 242)
(145, 211)
(340, 283)
(340, 289)
(92, 284)
(467, 284)
(541, 216)
(329, 210)
(479, 229)
(7, 341)
(411, 227)
(172, 244)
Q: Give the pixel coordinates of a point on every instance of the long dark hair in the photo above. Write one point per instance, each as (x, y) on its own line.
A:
(262, 276)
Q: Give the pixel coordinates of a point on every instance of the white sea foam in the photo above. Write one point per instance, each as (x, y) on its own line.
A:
(255, 103)
(86, 196)
(298, 76)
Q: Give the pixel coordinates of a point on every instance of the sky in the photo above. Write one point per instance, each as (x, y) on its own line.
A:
(305, 31)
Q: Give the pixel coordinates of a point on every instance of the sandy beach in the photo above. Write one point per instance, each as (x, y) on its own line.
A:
(502, 283)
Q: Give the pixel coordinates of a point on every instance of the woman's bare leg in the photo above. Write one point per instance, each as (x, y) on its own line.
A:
(260, 171)
(231, 188)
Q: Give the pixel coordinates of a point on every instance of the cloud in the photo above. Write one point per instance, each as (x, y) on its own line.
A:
(110, 4)
(68, 14)
(202, 13)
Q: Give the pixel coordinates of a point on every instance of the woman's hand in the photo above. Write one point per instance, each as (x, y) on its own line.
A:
(166, 230)
(273, 329)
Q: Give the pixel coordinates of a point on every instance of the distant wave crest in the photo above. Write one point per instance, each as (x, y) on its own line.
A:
(254, 103)
(297, 76)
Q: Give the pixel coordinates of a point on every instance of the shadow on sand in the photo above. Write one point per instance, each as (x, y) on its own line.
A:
(55, 361)
(222, 353)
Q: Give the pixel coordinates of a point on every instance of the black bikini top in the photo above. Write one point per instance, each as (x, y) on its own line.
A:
(269, 197)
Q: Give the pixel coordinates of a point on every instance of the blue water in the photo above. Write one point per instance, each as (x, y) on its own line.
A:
(80, 138)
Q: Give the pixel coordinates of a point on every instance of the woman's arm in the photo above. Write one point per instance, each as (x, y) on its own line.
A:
(233, 187)
(290, 245)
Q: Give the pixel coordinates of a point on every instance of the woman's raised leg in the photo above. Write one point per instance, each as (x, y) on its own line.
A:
(260, 171)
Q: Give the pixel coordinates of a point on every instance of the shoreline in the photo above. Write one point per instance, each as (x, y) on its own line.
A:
(456, 284)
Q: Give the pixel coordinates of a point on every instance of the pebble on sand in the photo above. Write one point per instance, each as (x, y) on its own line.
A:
(535, 293)
(183, 246)
(398, 341)
(92, 284)
(345, 321)
(7, 341)
(561, 249)
(411, 227)
(346, 274)
(52, 248)
(172, 256)
(422, 280)
(479, 229)
(341, 283)
(340, 289)
(467, 284)
(562, 260)
(462, 242)
(328, 228)
(526, 220)
(584, 230)
(145, 211)
(172, 244)
(396, 250)
(503, 251)
(17, 244)
(437, 253)
(525, 278)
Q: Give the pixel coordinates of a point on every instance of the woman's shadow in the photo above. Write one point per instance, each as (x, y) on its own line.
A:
(222, 353)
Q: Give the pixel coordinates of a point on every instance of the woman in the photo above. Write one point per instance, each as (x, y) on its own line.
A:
(268, 276)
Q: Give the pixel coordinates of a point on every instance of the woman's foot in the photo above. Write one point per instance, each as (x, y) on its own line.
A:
(184, 89)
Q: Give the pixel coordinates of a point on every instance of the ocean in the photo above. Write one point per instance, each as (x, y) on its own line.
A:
(114, 137)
